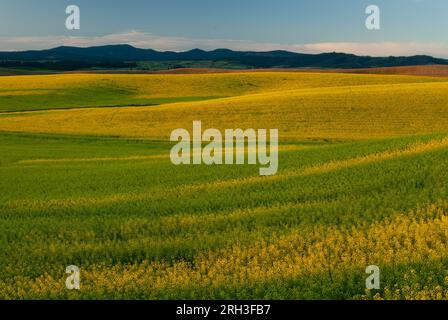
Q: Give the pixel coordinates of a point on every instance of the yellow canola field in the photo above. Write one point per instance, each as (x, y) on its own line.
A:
(165, 85)
(403, 239)
(344, 112)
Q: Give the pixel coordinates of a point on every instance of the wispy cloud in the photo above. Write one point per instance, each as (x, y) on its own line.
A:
(163, 43)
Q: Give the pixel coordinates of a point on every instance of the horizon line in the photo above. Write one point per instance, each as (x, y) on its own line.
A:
(220, 48)
(144, 40)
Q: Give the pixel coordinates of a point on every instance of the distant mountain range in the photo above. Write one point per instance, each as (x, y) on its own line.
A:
(126, 56)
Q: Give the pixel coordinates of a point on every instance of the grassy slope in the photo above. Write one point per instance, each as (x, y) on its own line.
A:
(112, 203)
(24, 93)
(141, 228)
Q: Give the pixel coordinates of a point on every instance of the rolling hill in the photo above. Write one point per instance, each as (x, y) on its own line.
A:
(363, 165)
(304, 105)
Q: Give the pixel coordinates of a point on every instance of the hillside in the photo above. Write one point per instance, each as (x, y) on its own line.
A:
(302, 105)
(363, 165)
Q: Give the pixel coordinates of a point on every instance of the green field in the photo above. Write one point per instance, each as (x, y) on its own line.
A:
(362, 180)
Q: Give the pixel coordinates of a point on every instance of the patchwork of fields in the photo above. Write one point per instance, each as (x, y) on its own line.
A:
(86, 180)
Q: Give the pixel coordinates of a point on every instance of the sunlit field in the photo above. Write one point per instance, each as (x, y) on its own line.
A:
(86, 179)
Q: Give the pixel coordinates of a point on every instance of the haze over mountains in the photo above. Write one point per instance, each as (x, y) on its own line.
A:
(126, 56)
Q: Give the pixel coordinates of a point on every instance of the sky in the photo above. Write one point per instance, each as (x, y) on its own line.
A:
(407, 27)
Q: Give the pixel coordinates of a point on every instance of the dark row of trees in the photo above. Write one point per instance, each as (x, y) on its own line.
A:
(67, 65)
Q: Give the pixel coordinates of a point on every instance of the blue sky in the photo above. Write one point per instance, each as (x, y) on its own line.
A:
(407, 26)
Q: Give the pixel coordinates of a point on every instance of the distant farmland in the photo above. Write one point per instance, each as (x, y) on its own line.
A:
(419, 70)
(86, 180)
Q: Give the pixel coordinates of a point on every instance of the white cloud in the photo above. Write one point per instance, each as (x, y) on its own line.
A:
(163, 43)
(383, 48)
